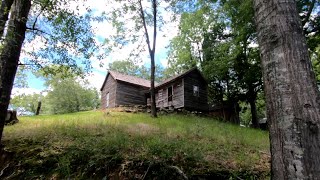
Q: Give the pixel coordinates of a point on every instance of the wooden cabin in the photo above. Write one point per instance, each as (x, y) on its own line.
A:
(187, 90)
(120, 89)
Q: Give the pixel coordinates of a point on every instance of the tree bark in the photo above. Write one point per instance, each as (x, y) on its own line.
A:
(10, 53)
(253, 109)
(151, 51)
(4, 13)
(292, 96)
(38, 108)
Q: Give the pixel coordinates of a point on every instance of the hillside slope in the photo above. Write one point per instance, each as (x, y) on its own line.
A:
(121, 145)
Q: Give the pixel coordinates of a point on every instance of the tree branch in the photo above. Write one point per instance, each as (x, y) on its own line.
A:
(38, 30)
(154, 4)
(145, 26)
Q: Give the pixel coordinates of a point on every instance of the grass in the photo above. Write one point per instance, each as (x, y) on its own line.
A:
(95, 144)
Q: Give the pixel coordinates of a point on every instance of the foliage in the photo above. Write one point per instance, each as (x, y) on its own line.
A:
(310, 16)
(130, 68)
(94, 145)
(28, 102)
(219, 38)
(245, 113)
(60, 34)
(20, 80)
(68, 91)
(68, 95)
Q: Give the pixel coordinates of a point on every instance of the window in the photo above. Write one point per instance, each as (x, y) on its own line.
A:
(170, 93)
(196, 91)
(107, 105)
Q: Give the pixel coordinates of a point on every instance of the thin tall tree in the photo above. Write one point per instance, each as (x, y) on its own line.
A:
(151, 50)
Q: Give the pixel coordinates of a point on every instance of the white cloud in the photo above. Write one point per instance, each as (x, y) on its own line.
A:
(96, 79)
(26, 91)
(105, 30)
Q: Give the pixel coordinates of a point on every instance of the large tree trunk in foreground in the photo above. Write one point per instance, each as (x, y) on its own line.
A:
(291, 91)
(10, 53)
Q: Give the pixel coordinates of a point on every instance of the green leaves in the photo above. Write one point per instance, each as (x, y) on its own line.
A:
(68, 95)
(65, 33)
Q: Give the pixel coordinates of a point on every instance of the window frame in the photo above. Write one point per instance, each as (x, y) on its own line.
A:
(196, 90)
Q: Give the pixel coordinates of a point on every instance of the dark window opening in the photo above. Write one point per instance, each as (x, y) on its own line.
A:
(170, 93)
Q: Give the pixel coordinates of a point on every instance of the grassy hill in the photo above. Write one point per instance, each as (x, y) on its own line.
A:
(120, 145)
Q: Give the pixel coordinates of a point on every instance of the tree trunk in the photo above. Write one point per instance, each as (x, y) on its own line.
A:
(10, 53)
(4, 13)
(254, 117)
(151, 51)
(38, 108)
(292, 95)
(152, 93)
(251, 97)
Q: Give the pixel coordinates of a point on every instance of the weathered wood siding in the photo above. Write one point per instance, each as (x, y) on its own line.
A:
(177, 95)
(129, 94)
(109, 87)
(192, 102)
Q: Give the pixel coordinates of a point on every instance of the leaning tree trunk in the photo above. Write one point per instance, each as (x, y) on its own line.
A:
(38, 108)
(10, 53)
(291, 91)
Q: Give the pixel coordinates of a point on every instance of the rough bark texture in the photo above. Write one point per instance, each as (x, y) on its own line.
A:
(291, 92)
(4, 13)
(10, 53)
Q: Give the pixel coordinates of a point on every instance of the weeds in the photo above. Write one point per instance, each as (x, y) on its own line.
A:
(94, 145)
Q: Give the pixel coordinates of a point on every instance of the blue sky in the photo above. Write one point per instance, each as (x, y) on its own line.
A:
(104, 30)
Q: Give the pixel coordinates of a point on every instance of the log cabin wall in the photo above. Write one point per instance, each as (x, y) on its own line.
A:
(130, 94)
(195, 92)
(110, 87)
(163, 98)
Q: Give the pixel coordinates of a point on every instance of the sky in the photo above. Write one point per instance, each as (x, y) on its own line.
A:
(104, 30)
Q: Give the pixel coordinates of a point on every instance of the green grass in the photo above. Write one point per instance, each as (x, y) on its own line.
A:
(96, 145)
